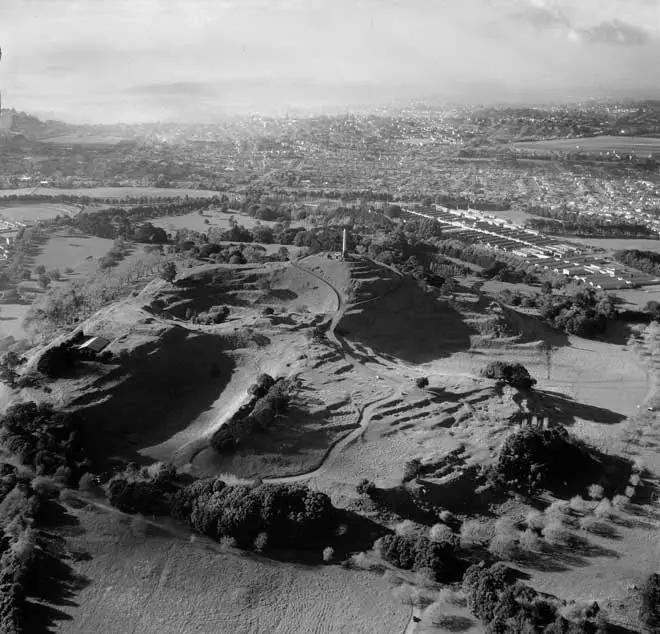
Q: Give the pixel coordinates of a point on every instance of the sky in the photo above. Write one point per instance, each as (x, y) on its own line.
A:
(105, 61)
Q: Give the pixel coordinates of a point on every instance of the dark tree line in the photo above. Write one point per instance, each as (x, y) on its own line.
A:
(416, 552)
(585, 313)
(532, 460)
(46, 439)
(590, 227)
(510, 607)
(289, 515)
(646, 261)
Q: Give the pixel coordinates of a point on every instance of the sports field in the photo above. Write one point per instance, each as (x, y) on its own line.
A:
(27, 213)
(621, 144)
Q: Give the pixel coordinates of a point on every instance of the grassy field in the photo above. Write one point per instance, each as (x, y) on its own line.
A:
(89, 139)
(81, 253)
(111, 192)
(147, 580)
(619, 244)
(640, 145)
(11, 320)
(216, 218)
(32, 212)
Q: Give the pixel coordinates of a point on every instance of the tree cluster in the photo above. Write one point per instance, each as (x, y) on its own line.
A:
(138, 491)
(269, 399)
(495, 265)
(508, 607)
(647, 261)
(214, 315)
(532, 460)
(289, 515)
(132, 222)
(44, 438)
(58, 360)
(584, 313)
(114, 256)
(419, 553)
(29, 559)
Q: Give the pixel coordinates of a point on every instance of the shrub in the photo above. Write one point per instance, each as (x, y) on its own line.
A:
(557, 510)
(441, 533)
(638, 465)
(630, 492)
(421, 382)
(476, 532)
(503, 546)
(328, 554)
(620, 502)
(634, 479)
(579, 504)
(366, 487)
(446, 516)
(362, 561)
(261, 542)
(407, 527)
(412, 469)
(535, 520)
(529, 541)
(87, 483)
(596, 491)
(556, 533)
(604, 509)
(505, 526)
(45, 487)
(589, 523)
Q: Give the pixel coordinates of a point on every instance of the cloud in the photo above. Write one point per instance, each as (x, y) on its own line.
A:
(541, 15)
(615, 32)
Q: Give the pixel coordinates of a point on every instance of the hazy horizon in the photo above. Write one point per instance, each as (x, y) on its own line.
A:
(161, 60)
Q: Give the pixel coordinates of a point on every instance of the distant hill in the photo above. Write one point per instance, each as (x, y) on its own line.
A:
(15, 123)
(23, 127)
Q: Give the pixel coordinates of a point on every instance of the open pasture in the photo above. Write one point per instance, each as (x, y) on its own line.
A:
(29, 213)
(598, 144)
(145, 579)
(197, 222)
(111, 192)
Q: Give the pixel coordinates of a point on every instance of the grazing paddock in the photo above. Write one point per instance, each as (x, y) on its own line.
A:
(152, 580)
(196, 221)
(600, 144)
(111, 192)
(81, 253)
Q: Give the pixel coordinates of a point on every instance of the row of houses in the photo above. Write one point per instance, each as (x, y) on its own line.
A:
(470, 227)
(599, 273)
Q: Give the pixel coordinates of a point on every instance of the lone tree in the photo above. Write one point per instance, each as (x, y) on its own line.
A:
(168, 272)
(513, 374)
